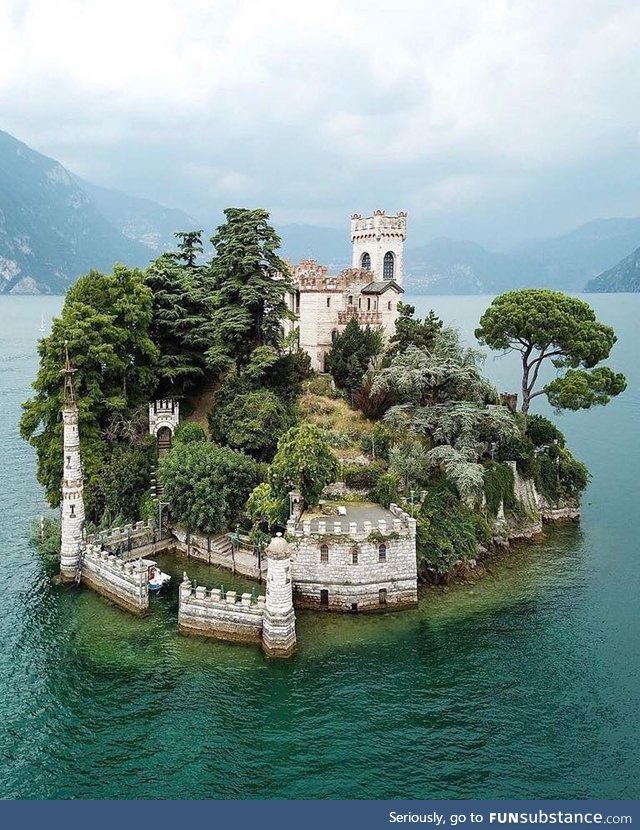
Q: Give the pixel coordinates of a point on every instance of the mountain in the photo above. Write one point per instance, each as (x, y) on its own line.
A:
(457, 266)
(625, 276)
(140, 220)
(572, 259)
(52, 228)
(454, 266)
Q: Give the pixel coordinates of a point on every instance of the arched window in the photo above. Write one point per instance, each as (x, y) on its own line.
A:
(389, 306)
(382, 553)
(324, 553)
(334, 334)
(350, 301)
(328, 302)
(354, 555)
(365, 262)
(388, 266)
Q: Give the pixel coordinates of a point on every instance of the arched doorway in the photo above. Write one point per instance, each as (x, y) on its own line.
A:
(163, 441)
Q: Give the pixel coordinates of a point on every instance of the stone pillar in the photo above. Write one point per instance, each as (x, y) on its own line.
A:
(72, 510)
(279, 622)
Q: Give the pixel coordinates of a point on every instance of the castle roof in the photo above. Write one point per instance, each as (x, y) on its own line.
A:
(381, 287)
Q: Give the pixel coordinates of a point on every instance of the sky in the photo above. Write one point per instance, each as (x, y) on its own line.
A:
(492, 120)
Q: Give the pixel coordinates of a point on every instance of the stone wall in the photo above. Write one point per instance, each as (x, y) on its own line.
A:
(207, 613)
(124, 583)
(355, 585)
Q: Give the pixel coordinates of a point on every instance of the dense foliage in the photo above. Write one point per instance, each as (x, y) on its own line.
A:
(105, 324)
(352, 353)
(251, 421)
(304, 462)
(206, 485)
(249, 283)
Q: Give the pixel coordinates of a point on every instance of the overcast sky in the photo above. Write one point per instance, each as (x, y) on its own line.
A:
(484, 119)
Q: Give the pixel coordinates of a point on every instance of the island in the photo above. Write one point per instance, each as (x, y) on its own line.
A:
(300, 428)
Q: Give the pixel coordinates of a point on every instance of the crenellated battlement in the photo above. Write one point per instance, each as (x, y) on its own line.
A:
(238, 618)
(126, 583)
(359, 531)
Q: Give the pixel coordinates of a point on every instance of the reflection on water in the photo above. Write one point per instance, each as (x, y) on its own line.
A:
(522, 684)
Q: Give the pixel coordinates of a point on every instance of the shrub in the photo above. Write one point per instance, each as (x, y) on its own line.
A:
(206, 485)
(359, 477)
(521, 450)
(386, 490)
(377, 442)
(498, 487)
(446, 531)
(542, 432)
(251, 422)
(189, 433)
(304, 460)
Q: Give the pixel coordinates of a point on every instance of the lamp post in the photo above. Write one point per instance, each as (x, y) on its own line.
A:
(412, 495)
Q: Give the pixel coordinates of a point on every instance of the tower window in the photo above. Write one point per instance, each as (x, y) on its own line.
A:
(365, 262)
(334, 334)
(68, 462)
(350, 300)
(328, 302)
(382, 596)
(382, 553)
(324, 553)
(388, 266)
(72, 511)
(354, 555)
(389, 306)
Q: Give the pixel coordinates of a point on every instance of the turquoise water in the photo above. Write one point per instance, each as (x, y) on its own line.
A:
(522, 685)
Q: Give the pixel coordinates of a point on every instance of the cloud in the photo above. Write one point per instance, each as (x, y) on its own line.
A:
(454, 110)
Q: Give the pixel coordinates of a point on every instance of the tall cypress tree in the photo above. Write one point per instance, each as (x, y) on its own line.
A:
(250, 283)
(182, 325)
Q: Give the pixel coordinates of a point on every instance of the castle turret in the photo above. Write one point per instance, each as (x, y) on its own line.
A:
(72, 542)
(378, 244)
(279, 622)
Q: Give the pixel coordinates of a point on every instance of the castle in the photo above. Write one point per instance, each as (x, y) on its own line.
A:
(362, 559)
(368, 292)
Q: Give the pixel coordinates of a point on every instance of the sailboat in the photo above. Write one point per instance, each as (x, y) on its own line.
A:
(42, 328)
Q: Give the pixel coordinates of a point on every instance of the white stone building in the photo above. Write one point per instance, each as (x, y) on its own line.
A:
(369, 291)
(361, 560)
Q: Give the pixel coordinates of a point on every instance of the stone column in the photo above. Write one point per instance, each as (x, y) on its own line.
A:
(72, 518)
(279, 622)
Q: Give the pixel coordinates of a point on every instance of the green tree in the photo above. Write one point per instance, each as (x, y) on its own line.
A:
(189, 432)
(122, 484)
(448, 371)
(181, 325)
(251, 421)
(264, 506)
(105, 323)
(413, 332)
(206, 485)
(550, 326)
(304, 461)
(250, 284)
(352, 353)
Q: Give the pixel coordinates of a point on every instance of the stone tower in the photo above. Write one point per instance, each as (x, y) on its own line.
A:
(279, 622)
(378, 244)
(72, 483)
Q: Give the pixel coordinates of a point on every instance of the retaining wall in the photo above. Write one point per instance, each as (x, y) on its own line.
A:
(124, 583)
(234, 618)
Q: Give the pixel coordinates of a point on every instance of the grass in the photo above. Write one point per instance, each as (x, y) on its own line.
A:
(345, 425)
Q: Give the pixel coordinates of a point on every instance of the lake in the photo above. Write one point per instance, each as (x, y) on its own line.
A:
(524, 685)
